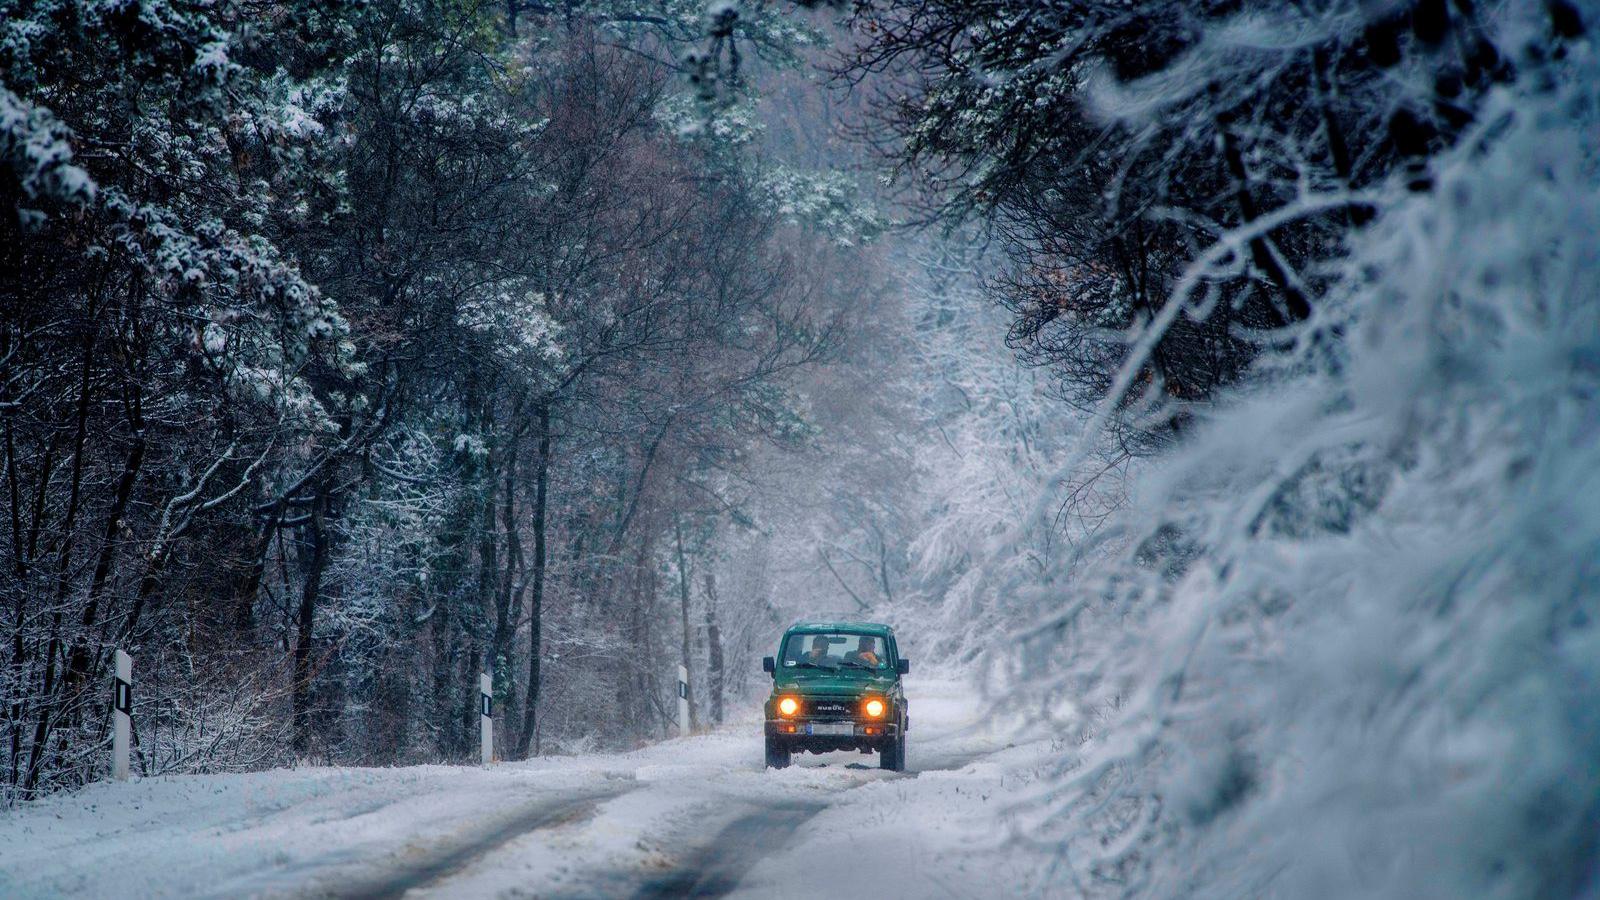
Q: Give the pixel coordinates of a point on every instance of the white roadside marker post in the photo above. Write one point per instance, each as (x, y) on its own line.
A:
(683, 701)
(486, 717)
(121, 711)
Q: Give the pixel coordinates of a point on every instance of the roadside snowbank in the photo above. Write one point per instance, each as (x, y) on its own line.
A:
(230, 835)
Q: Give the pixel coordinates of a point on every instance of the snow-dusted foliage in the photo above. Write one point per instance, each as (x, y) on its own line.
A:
(1320, 280)
(1343, 642)
(348, 350)
(33, 145)
(829, 201)
(987, 436)
(141, 242)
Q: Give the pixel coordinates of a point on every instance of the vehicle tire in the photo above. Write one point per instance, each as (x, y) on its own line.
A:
(893, 755)
(777, 757)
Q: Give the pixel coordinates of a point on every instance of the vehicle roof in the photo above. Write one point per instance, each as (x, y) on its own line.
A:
(874, 628)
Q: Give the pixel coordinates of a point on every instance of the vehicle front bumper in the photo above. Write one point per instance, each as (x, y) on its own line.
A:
(794, 734)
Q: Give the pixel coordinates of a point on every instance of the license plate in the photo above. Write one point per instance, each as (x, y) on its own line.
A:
(830, 728)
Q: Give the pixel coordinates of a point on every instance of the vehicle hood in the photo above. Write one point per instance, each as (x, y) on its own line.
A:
(815, 683)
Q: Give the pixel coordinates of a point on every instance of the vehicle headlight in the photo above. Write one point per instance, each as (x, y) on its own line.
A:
(788, 706)
(874, 708)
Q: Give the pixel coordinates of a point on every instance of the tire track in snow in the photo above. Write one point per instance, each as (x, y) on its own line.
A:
(718, 868)
(452, 856)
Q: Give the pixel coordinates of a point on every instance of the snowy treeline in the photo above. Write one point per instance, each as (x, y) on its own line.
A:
(1323, 279)
(349, 349)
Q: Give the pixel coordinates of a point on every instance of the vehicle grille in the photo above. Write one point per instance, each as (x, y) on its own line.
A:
(831, 709)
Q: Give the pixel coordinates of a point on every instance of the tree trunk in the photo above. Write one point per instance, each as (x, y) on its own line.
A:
(78, 667)
(21, 564)
(305, 624)
(243, 600)
(41, 731)
(443, 674)
(714, 661)
(644, 616)
(469, 708)
(683, 614)
(508, 602)
(536, 595)
(488, 543)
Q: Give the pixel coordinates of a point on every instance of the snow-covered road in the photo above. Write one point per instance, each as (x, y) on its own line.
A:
(697, 816)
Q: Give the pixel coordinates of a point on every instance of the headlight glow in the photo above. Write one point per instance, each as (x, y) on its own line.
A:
(788, 706)
(874, 708)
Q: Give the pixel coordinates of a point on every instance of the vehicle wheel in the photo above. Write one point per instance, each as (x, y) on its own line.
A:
(777, 757)
(893, 755)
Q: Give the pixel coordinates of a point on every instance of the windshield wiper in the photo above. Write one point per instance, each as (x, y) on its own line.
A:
(811, 665)
(856, 663)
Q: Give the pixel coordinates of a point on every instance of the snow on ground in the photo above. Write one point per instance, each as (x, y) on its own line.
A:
(651, 821)
(946, 833)
(227, 835)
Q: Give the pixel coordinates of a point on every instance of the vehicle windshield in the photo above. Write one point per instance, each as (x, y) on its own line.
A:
(840, 650)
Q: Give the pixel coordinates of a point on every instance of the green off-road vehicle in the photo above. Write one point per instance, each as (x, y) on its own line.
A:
(836, 686)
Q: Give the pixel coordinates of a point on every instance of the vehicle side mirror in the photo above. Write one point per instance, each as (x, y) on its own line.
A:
(903, 666)
(768, 664)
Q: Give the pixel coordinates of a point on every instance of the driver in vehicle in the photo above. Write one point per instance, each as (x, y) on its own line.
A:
(866, 652)
(818, 652)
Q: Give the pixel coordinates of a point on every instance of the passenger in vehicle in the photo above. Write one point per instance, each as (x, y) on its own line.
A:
(866, 652)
